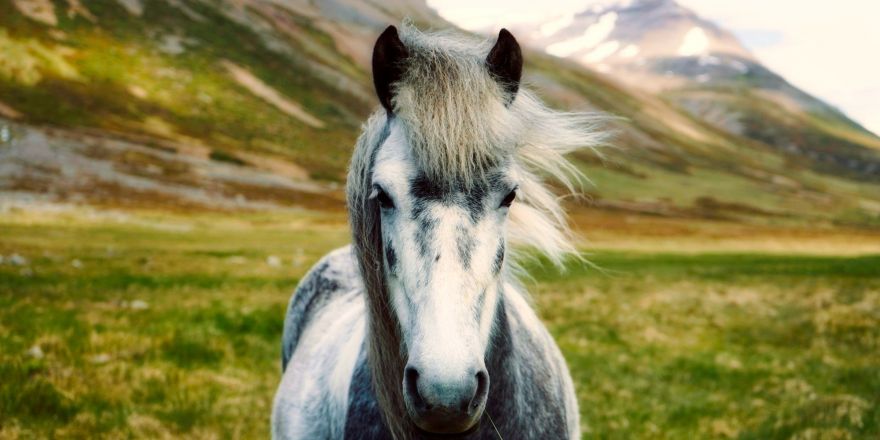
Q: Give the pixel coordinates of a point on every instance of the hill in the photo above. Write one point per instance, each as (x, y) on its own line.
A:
(256, 104)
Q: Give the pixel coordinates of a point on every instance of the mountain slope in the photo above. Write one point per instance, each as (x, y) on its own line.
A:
(667, 49)
(274, 91)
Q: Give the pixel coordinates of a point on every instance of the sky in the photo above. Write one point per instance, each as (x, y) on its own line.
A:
(829, 49)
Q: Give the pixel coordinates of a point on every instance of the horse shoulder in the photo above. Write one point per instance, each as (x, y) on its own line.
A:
(323, 334)
(312, 398)
(335, 274)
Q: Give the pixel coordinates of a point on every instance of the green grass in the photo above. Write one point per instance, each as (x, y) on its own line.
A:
(721, 345)
(151, 325)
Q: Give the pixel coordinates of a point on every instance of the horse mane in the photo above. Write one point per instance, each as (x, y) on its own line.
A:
(459, 123)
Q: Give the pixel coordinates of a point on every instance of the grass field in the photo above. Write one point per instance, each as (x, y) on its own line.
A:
(152, 325)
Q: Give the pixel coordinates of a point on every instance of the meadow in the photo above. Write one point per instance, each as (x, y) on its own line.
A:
(143, 324)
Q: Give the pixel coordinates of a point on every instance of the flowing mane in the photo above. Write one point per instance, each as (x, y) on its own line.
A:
(459, 121)
(455, 119)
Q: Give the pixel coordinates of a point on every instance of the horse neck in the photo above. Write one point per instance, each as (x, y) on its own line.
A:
(499, 362)
(526, 397)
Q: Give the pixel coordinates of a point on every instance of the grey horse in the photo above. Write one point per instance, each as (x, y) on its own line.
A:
(420, 328)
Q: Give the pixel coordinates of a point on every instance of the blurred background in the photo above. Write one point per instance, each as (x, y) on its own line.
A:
(169, 169)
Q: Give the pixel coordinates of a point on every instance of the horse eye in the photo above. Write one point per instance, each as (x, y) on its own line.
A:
(508, 199)
(384, 201)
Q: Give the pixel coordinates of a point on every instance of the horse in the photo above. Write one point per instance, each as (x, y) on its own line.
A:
(420, 327)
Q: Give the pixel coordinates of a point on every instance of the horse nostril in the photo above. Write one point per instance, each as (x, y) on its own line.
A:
(482, 389)
(411, 378)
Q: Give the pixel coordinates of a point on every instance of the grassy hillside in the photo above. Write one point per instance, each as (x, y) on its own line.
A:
(284, 86)
(166, 74)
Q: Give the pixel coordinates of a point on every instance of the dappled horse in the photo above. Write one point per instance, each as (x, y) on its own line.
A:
(420, 327)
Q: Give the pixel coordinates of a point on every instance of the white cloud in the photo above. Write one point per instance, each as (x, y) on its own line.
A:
(827, 48)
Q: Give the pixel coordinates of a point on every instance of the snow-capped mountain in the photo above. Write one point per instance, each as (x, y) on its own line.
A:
(666, 49)
(637, 34)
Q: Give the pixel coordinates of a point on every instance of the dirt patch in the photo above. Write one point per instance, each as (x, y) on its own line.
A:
(8, 112)
(286, 196)
(74, 166)
(134, 7)
(76, 8)
(42, 11)
(711, 208)
(277, 166)
(256, 86)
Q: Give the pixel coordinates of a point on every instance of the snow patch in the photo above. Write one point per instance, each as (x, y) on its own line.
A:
(604, 50)
(695, 42)
(592, 36)
(552, 27)
(709, 60)
(739, 66)
(629, 51)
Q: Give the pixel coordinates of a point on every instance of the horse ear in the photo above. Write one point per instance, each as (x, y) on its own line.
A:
(505, 63)
(388, 56)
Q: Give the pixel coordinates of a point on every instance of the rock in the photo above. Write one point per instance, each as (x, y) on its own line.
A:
(17, 260)
(36, 352)
(236, 259)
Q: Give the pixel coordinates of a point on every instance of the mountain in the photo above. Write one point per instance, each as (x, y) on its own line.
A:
(257, 103)
(631, 34)
(666, 49)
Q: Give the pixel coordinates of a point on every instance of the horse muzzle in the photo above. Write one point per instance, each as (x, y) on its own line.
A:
(443, 403)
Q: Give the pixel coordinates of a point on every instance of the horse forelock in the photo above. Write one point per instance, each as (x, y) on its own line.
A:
(452, 110)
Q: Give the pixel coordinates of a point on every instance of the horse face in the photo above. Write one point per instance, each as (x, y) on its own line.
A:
(444, 249)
